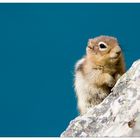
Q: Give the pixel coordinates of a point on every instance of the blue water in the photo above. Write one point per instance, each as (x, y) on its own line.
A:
(39, 45)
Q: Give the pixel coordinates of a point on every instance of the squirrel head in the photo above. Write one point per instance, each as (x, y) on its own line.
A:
(103, 50)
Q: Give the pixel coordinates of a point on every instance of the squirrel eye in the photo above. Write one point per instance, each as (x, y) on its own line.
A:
(102, 46)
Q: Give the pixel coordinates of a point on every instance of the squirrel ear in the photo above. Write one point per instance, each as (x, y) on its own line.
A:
(89, 41)
(89, 44)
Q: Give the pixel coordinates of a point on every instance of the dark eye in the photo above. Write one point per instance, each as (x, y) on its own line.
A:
(102, 46)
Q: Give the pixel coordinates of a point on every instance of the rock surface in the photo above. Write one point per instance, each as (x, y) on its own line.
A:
(117, 116)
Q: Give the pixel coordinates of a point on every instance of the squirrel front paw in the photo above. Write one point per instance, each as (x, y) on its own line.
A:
(109, 80)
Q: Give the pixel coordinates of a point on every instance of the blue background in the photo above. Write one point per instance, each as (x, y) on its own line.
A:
(39, 45)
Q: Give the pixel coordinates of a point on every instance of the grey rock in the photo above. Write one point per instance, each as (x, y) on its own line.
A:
(117, 116)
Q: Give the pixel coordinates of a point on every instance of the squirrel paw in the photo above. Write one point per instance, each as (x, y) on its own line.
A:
(110, 81)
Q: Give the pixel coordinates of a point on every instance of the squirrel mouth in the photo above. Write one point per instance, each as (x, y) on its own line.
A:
(115, 57)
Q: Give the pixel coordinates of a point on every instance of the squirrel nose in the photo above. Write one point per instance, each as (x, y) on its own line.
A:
(118, 52)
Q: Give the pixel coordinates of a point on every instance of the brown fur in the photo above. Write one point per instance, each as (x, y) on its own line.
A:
(98, 71)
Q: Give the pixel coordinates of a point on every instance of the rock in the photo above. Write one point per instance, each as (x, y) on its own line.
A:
(117, 116)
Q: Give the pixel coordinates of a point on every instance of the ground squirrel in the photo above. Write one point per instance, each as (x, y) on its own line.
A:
(97, 72)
